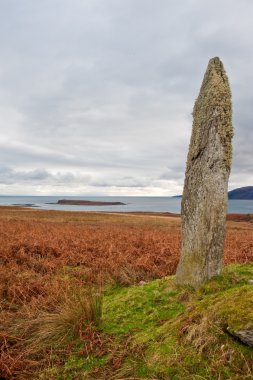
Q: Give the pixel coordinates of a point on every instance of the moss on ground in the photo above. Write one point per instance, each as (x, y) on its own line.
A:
(161, 331)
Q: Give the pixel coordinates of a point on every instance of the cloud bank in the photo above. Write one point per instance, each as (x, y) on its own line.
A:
(96, 96)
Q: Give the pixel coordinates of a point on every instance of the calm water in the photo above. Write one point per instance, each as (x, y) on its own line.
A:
(159, 204)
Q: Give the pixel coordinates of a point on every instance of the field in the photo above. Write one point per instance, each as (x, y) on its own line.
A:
(45, 254)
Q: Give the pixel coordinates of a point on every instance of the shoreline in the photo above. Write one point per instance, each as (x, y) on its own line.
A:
(237, 217)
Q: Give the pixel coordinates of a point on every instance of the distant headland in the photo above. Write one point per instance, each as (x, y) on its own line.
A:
(241, 193)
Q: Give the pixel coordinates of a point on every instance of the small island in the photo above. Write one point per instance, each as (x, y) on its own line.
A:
(88, 203)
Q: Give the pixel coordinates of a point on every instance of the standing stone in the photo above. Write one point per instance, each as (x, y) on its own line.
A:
(204, 202)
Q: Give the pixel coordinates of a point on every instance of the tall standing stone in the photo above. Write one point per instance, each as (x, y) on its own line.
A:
(204, 202)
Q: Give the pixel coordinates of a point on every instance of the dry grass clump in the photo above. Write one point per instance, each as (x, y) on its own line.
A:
(80, 308)
(32, 333)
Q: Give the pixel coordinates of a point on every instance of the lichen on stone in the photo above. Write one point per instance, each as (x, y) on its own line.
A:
(213, 107)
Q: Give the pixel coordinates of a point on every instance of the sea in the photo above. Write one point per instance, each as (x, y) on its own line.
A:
(131, 203)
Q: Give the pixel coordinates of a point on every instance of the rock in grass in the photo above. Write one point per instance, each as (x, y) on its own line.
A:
(204, 202)
(245, 336)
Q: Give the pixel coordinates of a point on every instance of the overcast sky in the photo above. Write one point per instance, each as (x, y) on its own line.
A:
(96, 95)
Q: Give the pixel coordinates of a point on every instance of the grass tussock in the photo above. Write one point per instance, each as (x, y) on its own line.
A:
(81, 307)
(32, 335)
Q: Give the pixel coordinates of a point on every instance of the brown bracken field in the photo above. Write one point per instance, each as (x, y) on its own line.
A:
(42, 253)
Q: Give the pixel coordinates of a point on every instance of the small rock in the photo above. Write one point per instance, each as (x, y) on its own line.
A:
(250, 282)
(244, 336)
(141, 283)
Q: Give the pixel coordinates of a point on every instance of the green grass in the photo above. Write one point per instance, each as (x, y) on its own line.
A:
(139, 309)
(161, 331)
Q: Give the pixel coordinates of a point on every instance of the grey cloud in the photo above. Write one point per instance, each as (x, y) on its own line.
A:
(9, 176)
(125, 182)
(38, 176)
(172, 174)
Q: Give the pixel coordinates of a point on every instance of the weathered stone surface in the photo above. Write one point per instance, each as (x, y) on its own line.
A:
(204, 202)
(245, 336)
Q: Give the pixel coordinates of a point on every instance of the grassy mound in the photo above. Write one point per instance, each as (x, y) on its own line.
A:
(160, 331)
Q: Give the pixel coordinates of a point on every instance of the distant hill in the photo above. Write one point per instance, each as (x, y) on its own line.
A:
(245, 193)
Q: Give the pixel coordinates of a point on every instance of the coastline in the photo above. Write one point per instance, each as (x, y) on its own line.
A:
(131, 204)
(236, 217)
